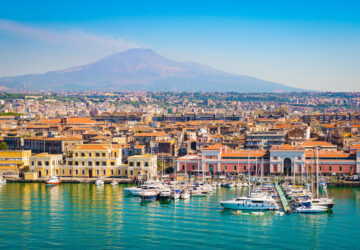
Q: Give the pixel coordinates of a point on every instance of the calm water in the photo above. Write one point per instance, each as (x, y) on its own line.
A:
(83, 215)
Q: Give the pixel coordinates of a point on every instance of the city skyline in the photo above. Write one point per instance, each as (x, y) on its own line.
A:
(299, 44)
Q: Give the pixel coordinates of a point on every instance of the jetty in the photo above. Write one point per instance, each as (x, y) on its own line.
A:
(283, 199)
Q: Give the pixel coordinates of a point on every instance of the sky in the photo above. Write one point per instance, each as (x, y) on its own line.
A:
(304, 44)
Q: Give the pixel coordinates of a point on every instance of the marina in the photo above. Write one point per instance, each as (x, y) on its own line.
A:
(104, 215)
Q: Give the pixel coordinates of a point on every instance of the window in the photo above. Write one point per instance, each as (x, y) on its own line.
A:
(193, 167)
(32, 163)
(340, 168)
(112, 163)
(104, 172)
(63, 171)
(131, 164)
(112, 172)
(97, 172)
(330, 168)
(210, 157)
(244, 167)
(97, 163)
(97, 154)
(90, 163)
(70, 171)
(70, 163)
(76, 154)
(76, 163)
(138, 164)
(146, 164)
(320, 168)
(90, 154)
(47, 172)
(76, 171)
(57, 171)
(131, 172)
(115, 154)
(183, 167)
(125, 172)
(82, 154)
(82, 172)
(225, 167)
(103, 154)
(119, 172)
(138, 172)
(39, 163)
(234, 167)
(104, 163)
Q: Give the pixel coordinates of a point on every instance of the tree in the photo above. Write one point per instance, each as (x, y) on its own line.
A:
(3, 146)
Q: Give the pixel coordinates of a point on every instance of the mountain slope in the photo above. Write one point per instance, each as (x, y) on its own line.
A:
(143, 69)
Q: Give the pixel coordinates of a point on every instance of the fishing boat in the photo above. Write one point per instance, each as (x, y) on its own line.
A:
(307, 207)
(54, 180)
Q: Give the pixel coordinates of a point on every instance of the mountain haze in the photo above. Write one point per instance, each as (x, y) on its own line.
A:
(142, 69)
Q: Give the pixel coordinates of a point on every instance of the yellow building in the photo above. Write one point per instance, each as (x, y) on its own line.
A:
(14, 162)
(141, 167)
(94, 160)
(46, 165)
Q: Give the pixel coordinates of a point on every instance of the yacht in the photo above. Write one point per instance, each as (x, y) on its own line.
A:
(165, 194)
(135, 191)
(307, 207)
(185, 194)
(54, 180)
(252, 202)
(323, 202)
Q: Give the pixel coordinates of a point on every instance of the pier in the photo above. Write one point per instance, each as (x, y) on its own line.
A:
(283, 199)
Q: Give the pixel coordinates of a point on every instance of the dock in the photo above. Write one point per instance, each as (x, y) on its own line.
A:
(283, 199)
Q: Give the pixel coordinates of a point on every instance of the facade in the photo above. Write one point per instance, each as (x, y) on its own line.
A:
(94, 160)
(46, 165)
(14, 162)
(263, 139)
(52, 145)
(141, 166)
(282, 160)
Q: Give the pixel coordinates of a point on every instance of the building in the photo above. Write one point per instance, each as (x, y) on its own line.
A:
(284, 160)
(46, 165)
(94, 160)
(14, 162)
(141, 167)
(263, 139)
(52, 145)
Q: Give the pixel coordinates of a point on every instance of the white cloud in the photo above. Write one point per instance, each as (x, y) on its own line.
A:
(71, 38)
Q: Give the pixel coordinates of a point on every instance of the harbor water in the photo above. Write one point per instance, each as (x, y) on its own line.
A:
(86, 216)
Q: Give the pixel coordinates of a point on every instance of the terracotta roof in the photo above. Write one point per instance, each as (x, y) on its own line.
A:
(79, 120)
(285, 147)
(92, 147)
(217, 146)
(317, 143)
(338, 154)
(151, 134)
(245, 153)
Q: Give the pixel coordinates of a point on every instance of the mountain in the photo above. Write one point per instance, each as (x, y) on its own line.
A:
(142, 69)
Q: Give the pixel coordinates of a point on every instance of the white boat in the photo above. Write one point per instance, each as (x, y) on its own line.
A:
(54, 180)
(185, 195)
(114, 183)
(253, 202)
(149, 192)
(307, 207)
(99, 182)
(198, 192)
(323, 202)
(165, 193)
(2, 180)
(175, 194)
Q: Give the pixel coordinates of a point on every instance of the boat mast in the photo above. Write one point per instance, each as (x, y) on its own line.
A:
(317, 172)
(249, 170)
(262, 172)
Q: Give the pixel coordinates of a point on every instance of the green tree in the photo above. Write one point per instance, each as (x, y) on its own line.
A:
(3, 146)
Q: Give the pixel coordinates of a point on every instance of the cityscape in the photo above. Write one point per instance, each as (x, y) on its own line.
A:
(108, 143)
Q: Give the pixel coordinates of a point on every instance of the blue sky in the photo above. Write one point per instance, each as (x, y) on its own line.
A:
(306, 44)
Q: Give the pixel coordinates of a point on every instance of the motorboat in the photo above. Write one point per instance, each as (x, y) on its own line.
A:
(114, 183)
(307, 207)
(149, 192)
(99, 182)
(175, 194)
(323, 202)
(165, 194)
(253, 202)
(54, 180)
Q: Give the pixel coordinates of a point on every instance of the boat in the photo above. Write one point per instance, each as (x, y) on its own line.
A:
(114, 183)
(2, 180)
(165, 194)
(323, 202)
(149, 192)
(185, 194)
(175, 194)
(253, 202)
(99, 182)
(54, 180)
(135, 191)
(307, 207)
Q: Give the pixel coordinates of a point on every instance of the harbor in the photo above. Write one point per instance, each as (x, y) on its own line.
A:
(104, 215)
